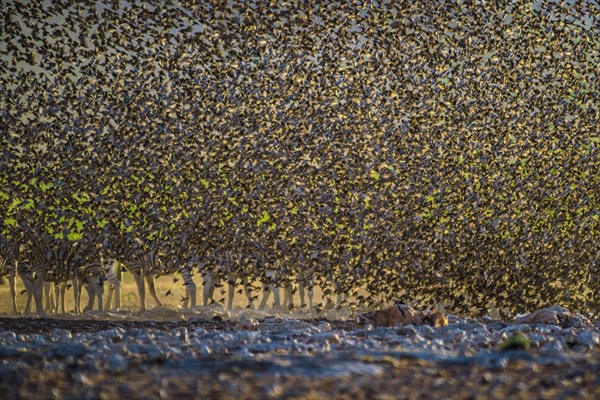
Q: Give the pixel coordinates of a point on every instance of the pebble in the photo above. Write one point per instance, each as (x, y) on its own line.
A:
(537, 340)
(589, 339)
(53, 365)
(116, 362)
(8, 337)
(6, 352)
(58, 335)
(512, 329)
(494, 363)
(182, 334)
(74, 349)
(205, 350)
(112, 335)
(553, 346)
(324, 326)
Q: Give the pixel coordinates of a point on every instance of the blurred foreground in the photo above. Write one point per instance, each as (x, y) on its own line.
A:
(289, 358)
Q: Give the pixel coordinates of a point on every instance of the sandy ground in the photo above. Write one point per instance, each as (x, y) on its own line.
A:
(170, 290)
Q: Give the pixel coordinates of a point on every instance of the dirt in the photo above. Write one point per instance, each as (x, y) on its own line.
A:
(400, 378)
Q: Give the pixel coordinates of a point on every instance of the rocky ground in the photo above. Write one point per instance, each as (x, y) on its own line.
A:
(271, 357)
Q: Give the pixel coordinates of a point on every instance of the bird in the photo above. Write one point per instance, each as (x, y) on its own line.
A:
(364, 140)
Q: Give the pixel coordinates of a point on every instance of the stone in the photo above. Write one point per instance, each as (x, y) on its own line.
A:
(578, 321)
(324, 326)
(7, 352)
(556, 315)
(8, 337)
(61, 335)
(182, 334)
(249, 324)
(517, 328)
(537, 340)
(553, 345)
(70, 350)
(588, 339)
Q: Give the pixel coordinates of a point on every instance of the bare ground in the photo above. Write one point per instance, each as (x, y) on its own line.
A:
(400, 378)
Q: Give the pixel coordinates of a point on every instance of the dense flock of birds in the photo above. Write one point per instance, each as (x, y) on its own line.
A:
(433, 152)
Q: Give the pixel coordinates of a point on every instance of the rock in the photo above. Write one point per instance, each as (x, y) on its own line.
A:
(404, 315)
(8, 337)
(546, 329)
(326, 337)
(333, 339)
(133, 349)
(536, 340)
(588, 339)
(324, 326)
(69, 350)
(205, 350)
(453, 319)
(196, 320)
(182, 334)
(7, 352)
(408, 331)
(53, 365)
(517, 328)
(494, 362)
(456, 335)
(554, 345)
(112, 335)
(60, 335)
(427, 332)
(277, 325)
(580, 322)
(249, 324)
(556, 315)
